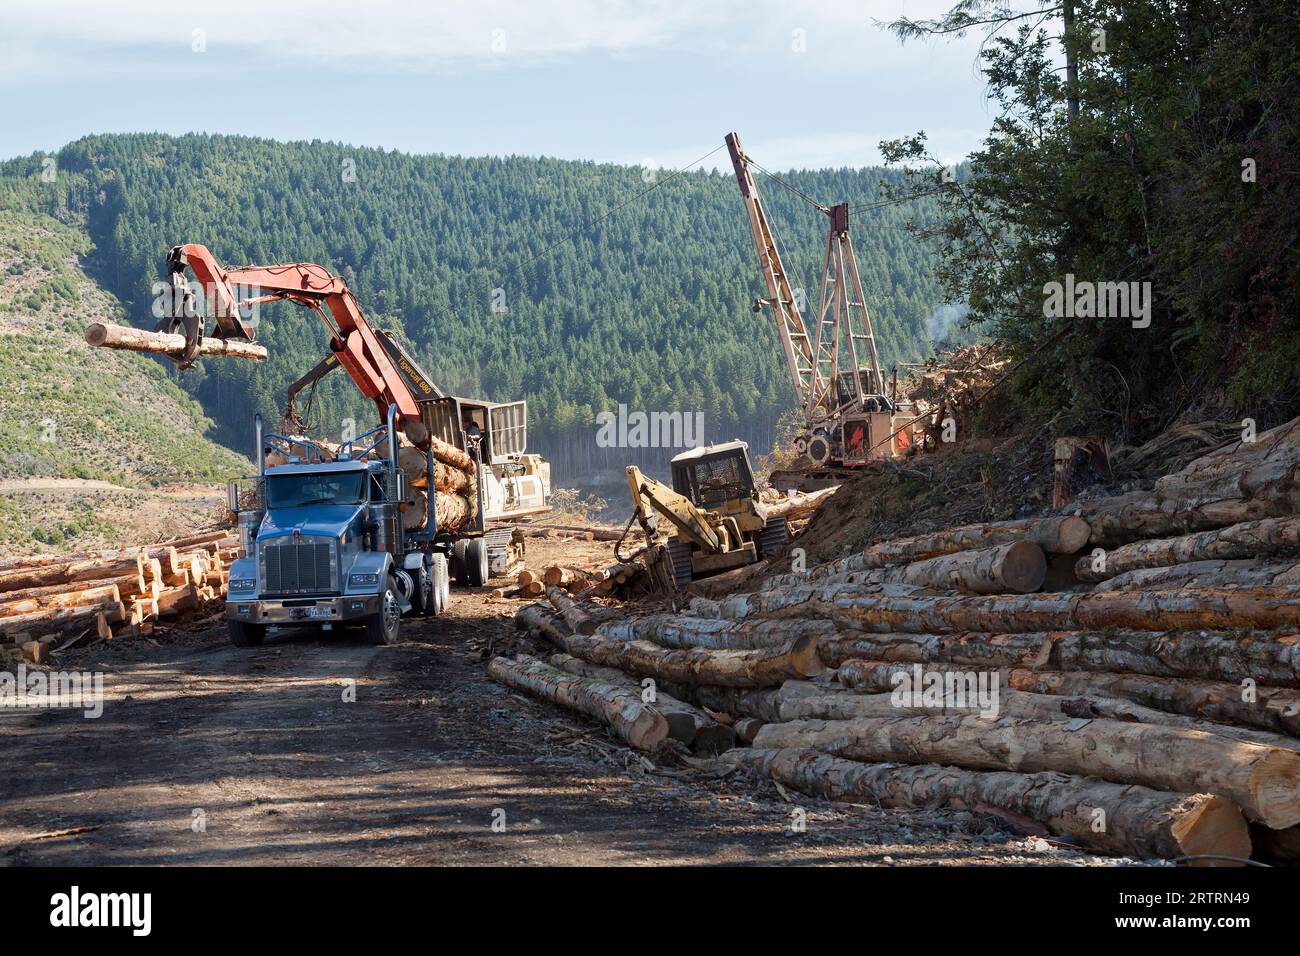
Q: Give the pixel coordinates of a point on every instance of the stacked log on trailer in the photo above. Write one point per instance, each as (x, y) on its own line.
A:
(1157, 717)
(48, 600)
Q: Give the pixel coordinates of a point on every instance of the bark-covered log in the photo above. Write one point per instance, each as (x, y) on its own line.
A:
(446, 478)
(1062, 534)
(1108, 817)
(766, 667)
(1263, 781)
(69, 572)
(109, 336)
(1018, 567)
(1248, 705)
(1209, 608)
(799, 503)
(544, 622)
(1204, 574)
(616, 706)
(678, 631)
(1216, 656)
(688, 724)
(1122, 518)
(1268, 537)
(808, 599)
(453, 512)
(950, 689)
(579, 620)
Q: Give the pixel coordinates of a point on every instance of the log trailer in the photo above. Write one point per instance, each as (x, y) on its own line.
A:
(368, 530)
(848, 419)
(717, 521)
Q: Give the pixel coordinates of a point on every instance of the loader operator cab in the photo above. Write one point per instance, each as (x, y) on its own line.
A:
(714, 474)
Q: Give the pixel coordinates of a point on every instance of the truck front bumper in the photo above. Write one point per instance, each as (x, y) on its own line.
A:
(323, 610)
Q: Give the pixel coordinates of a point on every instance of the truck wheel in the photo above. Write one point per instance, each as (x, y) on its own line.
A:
(458, 563)
(420, 590)
(438, 594)
(476, 562)
(243, 634)
(383, 628)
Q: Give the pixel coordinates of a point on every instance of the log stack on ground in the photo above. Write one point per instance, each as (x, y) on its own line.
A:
(1158, 685)
(47, 600)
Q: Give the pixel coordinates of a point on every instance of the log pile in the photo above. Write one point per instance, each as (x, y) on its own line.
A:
(1149, 705)
(616, 580)
(49, 600)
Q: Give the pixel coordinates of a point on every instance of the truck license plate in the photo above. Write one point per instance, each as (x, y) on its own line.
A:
(320, 611)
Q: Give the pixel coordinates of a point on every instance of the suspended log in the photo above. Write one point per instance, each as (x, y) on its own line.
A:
(1209, 608)
(615, 706)
(1271, 536)
(1137, 821)
(686, 724)
(1216, 656)
(766, 667)
(1056, 535)
(1263, 781)
(1268, 708)
(109, 336)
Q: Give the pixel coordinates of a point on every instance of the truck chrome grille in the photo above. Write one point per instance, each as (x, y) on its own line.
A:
(298, 568)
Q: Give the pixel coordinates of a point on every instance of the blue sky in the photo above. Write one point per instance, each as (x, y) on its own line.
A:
(806, 84)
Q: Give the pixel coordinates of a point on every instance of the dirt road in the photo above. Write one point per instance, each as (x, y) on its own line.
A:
(319, 749)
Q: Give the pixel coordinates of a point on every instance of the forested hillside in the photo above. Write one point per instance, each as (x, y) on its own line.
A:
(613, 292)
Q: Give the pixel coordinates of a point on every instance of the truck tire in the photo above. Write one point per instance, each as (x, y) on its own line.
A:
(476, 562)
(420, 589)
(243, 634)
(438, 594)
(457, 570)
(385, 627)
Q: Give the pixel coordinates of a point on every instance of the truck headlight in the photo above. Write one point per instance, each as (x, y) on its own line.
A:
(363, 580)
(242, 584)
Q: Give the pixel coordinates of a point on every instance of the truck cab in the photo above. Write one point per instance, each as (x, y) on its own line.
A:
(325, 543)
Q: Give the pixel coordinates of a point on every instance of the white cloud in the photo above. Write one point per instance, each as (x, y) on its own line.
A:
(400, 34)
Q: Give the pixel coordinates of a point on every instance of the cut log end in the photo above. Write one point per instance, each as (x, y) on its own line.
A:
(1210, 826)
(1024, 567)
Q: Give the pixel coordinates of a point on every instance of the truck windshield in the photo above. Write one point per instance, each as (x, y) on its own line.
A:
(327, 488)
